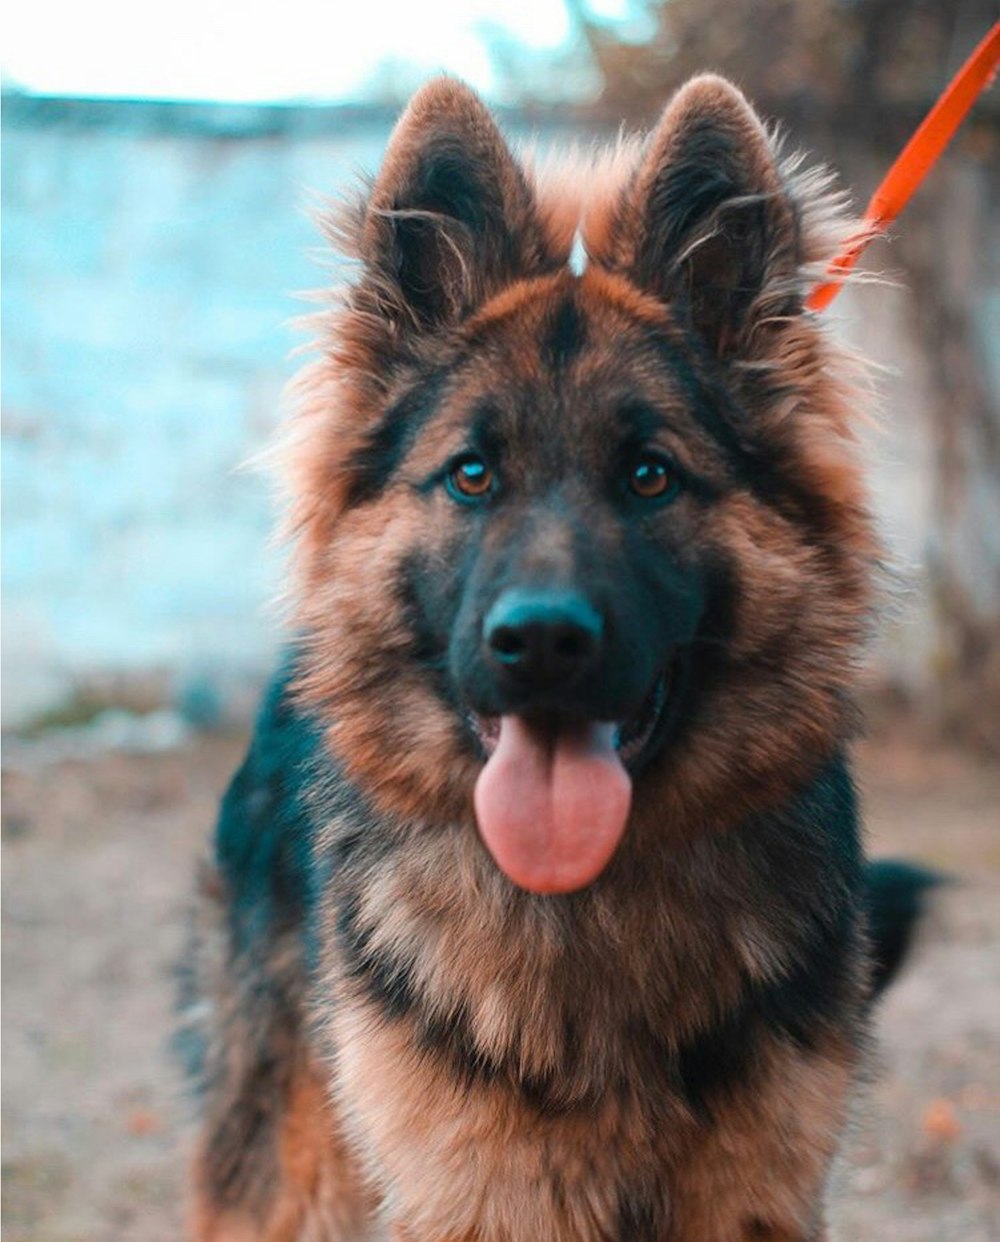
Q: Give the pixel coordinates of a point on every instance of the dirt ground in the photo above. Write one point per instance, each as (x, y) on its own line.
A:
(98, 858)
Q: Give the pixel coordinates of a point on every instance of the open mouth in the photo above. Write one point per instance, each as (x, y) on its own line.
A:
(632, 737)
(554, 795)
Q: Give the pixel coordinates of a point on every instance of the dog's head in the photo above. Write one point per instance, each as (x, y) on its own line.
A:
(586, 550)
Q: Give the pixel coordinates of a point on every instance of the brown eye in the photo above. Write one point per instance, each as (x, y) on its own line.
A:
(470, 479)
(652, 478)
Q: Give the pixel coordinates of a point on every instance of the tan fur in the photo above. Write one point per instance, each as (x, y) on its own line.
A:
(377, 1128)
(318, 1191)
(533, 1177)
(302, 1183)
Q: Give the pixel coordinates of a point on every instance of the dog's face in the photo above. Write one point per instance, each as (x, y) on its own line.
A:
(585, 549)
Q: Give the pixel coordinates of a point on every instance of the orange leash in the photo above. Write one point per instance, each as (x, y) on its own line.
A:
(917, 158)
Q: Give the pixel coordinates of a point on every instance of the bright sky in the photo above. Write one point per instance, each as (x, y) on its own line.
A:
(263, 49)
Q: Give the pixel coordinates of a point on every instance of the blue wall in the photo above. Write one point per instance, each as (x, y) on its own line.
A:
(151, 258)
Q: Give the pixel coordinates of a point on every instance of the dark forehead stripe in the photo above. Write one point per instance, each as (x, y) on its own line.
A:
(372, 465)
(565, 335)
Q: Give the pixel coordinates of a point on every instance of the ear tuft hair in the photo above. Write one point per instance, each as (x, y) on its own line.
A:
(450, 218)
(706, 223)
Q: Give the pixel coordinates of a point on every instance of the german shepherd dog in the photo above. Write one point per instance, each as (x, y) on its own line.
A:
(538, 910)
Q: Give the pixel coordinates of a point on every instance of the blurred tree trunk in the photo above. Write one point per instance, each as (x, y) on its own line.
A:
(850, 81)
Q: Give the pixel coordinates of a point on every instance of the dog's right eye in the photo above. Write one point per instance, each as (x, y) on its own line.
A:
(652, 477)
(469, 479)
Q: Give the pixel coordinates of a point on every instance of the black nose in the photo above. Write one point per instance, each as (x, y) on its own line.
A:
(542, 638)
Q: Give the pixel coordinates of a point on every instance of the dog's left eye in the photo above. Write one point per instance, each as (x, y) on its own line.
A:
(469, 479)
(652, 477)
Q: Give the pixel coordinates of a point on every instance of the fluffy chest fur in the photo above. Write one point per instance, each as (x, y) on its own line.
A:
(647, 977)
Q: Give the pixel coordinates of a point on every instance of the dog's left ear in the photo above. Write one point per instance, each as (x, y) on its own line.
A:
(450, 218)
(706, 223)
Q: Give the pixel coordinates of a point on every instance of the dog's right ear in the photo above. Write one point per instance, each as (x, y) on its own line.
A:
(450, 219)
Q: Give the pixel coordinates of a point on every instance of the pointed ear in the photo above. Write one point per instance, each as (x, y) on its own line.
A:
(450, 219)
(706, 224)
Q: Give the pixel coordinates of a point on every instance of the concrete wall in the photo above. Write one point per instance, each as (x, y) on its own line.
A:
(151, 255)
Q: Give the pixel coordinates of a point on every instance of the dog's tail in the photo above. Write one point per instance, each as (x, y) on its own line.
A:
(895, 898)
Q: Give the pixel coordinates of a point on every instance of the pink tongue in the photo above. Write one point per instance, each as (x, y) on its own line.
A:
(552, 809)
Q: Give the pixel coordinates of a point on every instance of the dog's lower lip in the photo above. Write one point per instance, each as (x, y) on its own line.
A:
(632, 736)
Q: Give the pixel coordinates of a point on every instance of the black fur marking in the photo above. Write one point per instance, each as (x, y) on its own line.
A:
(639, 421)
(241, 1157)
(429, 615)
(895, 896)
(263, 837)
(798, 1007)
(566, 336)
(809, 998)
(707, 662)
(485, 434)
(372, 466)
(390, 984)
(263, 855)
(451, 1035)
(638, 1218)
(388, 980)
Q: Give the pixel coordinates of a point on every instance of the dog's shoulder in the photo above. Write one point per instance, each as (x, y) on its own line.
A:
(263, 839)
